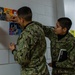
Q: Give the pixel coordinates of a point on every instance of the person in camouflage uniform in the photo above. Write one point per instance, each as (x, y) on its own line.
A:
(31, 45)
(63, 44)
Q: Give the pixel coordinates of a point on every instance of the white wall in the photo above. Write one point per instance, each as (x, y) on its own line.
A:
(60, 8)
(69, 6)
(44, 11)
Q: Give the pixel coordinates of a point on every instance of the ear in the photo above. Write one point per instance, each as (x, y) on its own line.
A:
(22, 20)
(65, 29)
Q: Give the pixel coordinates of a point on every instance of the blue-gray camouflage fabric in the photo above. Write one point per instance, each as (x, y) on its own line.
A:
(30, 53)
(67, 66)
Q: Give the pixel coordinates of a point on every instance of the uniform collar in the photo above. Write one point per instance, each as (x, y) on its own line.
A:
(28, 24)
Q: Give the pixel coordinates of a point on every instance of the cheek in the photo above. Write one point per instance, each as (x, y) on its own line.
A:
(18, 20)
(58, 31)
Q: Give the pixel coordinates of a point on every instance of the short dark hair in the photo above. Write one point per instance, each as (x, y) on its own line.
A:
(65, 22)
(25, 12)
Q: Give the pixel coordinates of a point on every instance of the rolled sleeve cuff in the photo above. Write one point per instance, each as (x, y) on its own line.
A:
(14, 51)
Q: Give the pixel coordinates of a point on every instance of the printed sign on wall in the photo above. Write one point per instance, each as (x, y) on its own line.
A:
(14, 28)
(6, 12)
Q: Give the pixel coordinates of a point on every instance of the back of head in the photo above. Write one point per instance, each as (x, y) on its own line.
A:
(25, 13)
(65, 22)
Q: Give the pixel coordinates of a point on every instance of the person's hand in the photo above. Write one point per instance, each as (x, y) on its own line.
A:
(14, 19)
(11, 18)
(12, 46)
(53, 64)
(50, 64)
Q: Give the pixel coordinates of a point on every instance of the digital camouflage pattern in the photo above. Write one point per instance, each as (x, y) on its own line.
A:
(30, 53)
(66, 67)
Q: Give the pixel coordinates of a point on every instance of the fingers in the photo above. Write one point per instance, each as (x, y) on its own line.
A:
(12, 46)
(11, 18)
(50, 64)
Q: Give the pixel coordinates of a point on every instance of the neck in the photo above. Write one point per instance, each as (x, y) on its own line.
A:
(62, 36)
(26, 23)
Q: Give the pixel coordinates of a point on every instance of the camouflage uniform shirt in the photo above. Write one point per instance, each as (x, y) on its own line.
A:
(31, 51)
(67, 66)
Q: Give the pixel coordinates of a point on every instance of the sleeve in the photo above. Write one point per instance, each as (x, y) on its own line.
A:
(70, 61)
(48, 30)
(23, 54)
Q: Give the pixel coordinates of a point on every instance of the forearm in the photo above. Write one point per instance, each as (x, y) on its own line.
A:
(20, 57)
(70, 61)
(48, 31)
(64, 64)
